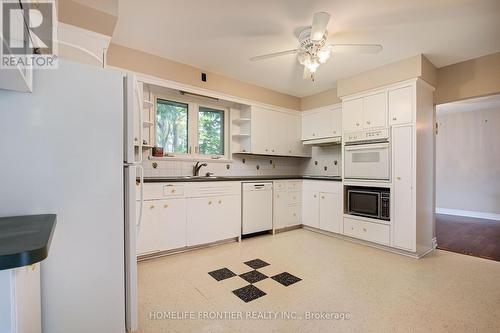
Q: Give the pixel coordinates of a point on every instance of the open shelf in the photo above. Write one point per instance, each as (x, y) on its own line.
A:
(241, 135)
(147, 123)
(240, 121)
(147, 104)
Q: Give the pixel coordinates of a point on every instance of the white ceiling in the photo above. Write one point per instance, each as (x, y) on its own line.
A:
(474, 104)
(220, 35)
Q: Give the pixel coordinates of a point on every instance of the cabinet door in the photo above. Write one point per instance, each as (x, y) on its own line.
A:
(352, 115)
(147, 236)
(310, 208)
(228, 221)
(280, 133)
(330, 212)
(172, 225)
(403, 221)
(336, 122)
(375, 110)
(294, 213)
(259, 131)
(400, 106)
(308, 124)
(201, 221)
(280, 209)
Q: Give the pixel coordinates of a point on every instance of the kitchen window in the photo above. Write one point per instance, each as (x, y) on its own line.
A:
(190, 129)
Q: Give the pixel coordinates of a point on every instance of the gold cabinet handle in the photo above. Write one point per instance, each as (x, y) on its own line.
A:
(398, 178)
(315, 195)
(210, 202)
(393, 118)
(152, 207)
(165, 206)
(173, 190)
(220, 201)
(357, 124)
(368, 122)
(294, 214)
(322, 197)
(277, 195)
(364, 229)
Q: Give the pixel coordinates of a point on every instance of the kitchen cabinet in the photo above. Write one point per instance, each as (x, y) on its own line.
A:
(372, 232)
(364, 113)
(322, 205)
(211, 219)
(287, 203)
(275, 133)
(310, 209)
(330, 212)
(403, 212)
(323, 123)
(163, 226)
(400, 105)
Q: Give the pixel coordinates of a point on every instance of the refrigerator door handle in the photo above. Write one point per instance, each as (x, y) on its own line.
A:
(141, 121)
(141, 184)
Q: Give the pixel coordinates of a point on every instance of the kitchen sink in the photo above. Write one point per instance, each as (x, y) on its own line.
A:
(202, 177)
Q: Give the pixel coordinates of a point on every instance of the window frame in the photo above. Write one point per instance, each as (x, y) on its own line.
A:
(187, 124)
(194, 105)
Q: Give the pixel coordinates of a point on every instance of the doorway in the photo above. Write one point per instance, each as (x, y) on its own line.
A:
(468, 177)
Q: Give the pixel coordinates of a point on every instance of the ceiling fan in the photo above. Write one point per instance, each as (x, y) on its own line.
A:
(313, 49)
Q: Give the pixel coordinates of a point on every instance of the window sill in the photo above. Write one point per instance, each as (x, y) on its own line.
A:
(191, 159)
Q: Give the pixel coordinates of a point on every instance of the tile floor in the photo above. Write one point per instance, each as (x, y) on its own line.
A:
(375, 290)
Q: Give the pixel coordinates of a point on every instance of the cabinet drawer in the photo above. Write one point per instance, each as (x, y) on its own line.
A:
(155, 191)
(295, 185)
(279, 186)
(373, 232)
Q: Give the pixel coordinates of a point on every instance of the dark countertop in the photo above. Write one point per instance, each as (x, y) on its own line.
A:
(234, 178)
(25, 240)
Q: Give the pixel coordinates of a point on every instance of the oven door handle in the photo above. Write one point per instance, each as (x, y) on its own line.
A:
(368, 147)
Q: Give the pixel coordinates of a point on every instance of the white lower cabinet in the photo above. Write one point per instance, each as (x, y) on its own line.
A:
(330, 212)
(211, 219)
(163, 226)
(372, 232)
(322, 205)
(287, 201)
(310, 208)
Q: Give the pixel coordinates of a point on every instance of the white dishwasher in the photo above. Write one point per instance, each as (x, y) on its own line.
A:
(257, 207)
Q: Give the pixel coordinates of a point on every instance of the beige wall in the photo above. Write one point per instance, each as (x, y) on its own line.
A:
(468, 161)
(472, 78)
(87, 16)
(138, 61)
(324, 98)
(417, 66)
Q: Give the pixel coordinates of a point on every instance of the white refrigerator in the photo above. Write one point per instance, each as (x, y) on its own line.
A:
(66, 149)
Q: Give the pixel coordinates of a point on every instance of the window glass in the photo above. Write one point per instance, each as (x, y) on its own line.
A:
(210, 131)
(172, 126)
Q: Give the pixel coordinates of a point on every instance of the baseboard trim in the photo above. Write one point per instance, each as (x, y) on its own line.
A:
(468, 213)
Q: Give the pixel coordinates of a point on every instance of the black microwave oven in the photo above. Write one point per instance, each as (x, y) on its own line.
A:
(370, 202)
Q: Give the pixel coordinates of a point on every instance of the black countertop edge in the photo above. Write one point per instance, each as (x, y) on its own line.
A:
(236, 178)
(25, 240)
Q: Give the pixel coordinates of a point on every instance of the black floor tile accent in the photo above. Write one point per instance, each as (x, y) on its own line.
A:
(249, 293)
(256, 263)
(253, 276)
(221, 274)
(286, 279)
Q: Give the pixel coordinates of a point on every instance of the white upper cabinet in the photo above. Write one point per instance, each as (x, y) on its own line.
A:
(365, 112)
(400, 105)
(375, 110)
(275, 133)
(352, 115)
(323, 123)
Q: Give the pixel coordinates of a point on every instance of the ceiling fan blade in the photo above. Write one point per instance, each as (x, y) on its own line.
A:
(356, 48)
(307, 74)
(318, 28)
(272, 55)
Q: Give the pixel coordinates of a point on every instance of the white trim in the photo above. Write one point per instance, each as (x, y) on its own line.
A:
(322, 108)
(395, 85)
(468, 213)
(150, 79)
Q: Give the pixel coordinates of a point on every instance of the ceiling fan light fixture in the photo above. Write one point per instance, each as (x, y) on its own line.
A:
(324, 54)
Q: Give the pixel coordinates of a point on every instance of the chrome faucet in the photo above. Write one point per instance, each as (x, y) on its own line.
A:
(197, 167)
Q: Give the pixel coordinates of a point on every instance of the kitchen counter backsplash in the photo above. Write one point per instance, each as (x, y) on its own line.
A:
(252, 165)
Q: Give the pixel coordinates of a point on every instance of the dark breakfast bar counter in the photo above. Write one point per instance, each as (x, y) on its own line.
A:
(234, 178)
(25, 240)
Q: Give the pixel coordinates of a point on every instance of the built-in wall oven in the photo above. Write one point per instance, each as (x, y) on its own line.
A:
(370, 202)
(367, 155)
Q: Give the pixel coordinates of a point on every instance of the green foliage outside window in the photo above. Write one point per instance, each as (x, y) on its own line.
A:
(172, 126)
(211, 131)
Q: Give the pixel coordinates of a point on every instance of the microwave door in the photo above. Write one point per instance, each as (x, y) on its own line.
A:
(364, 203)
